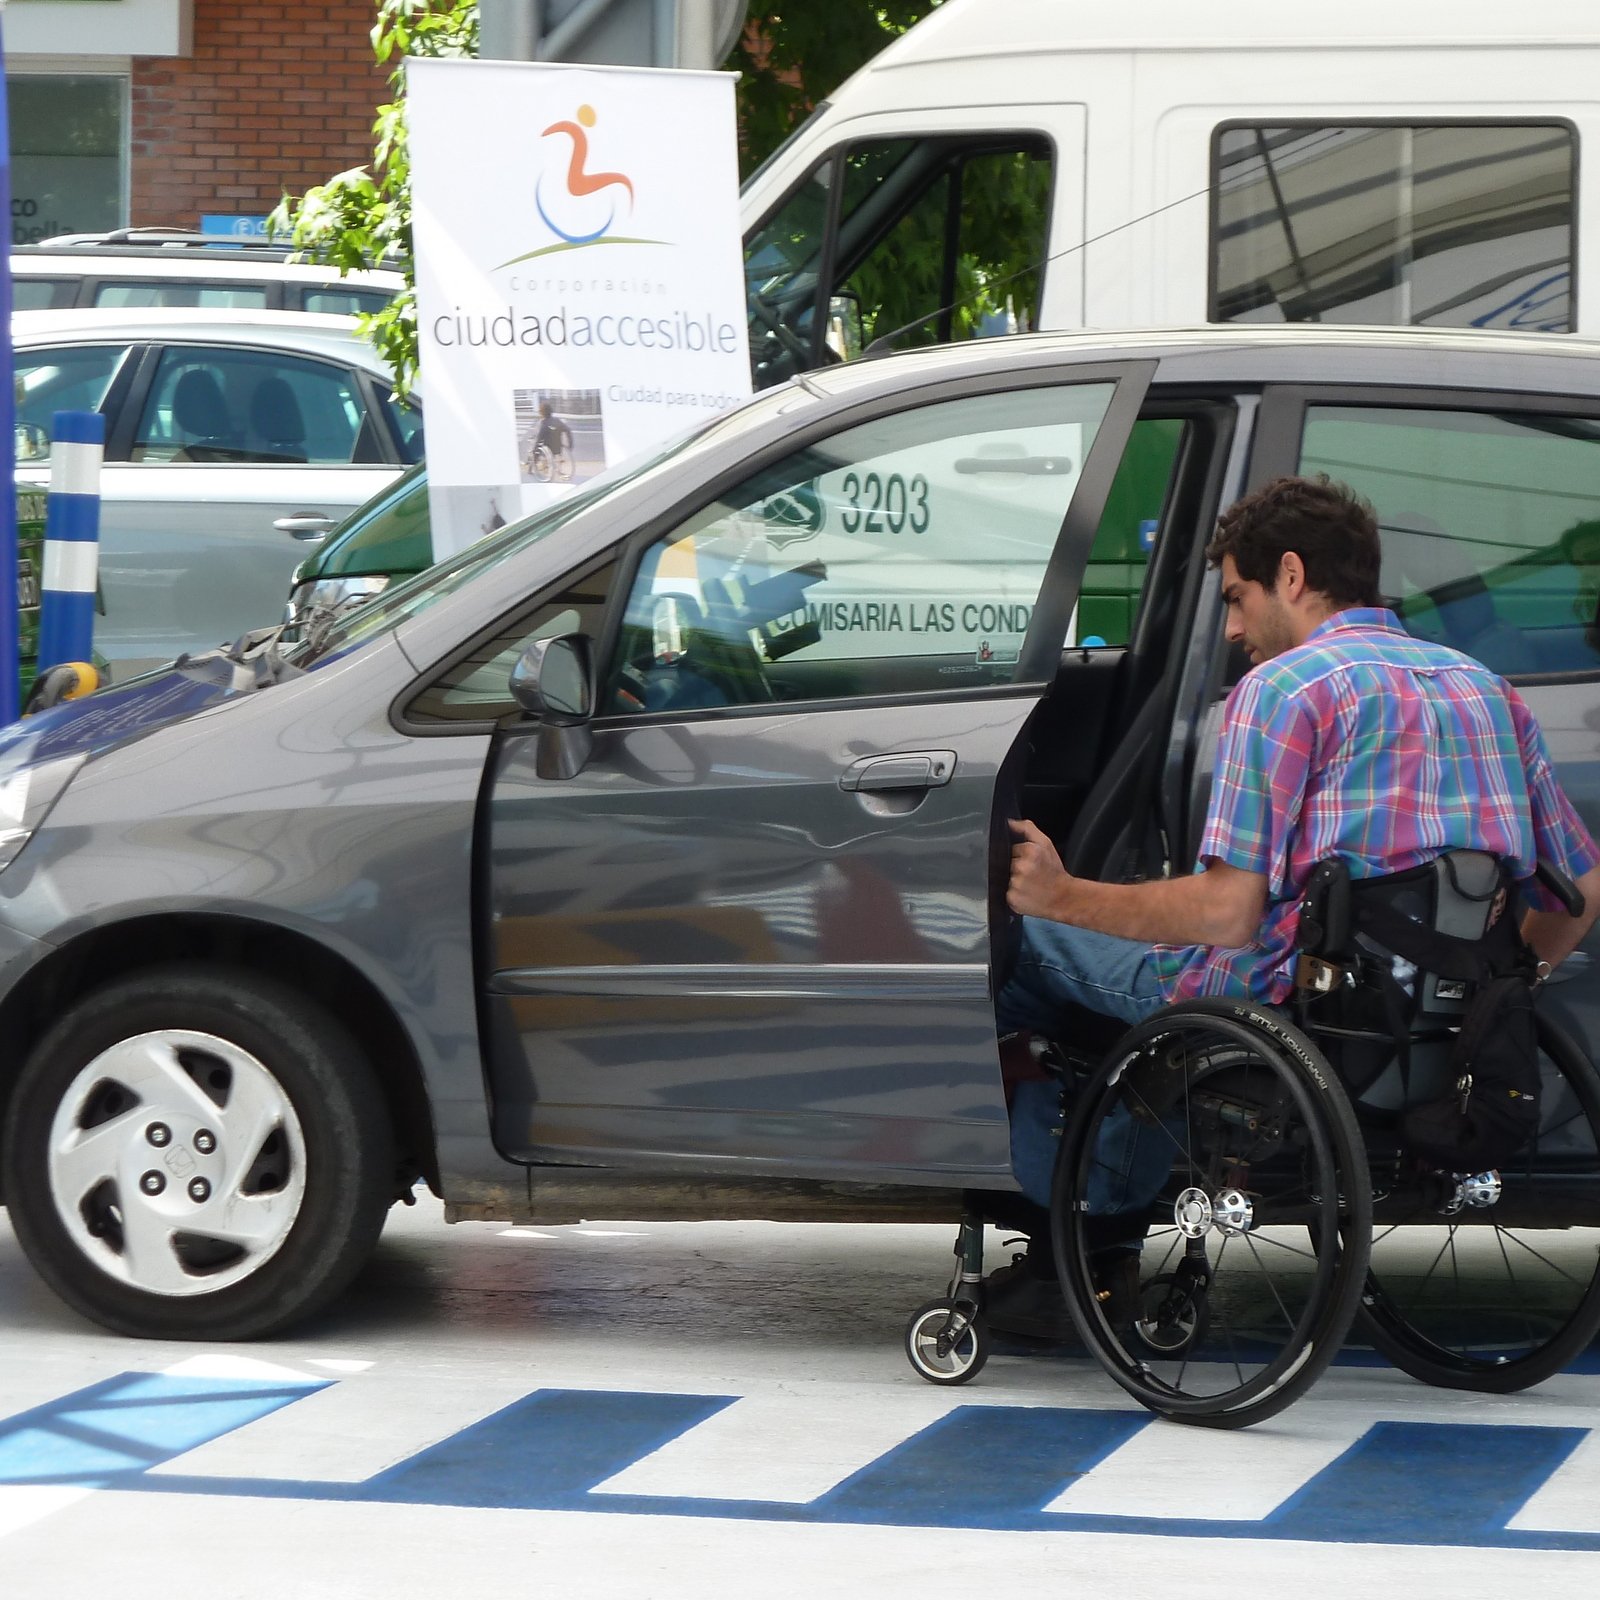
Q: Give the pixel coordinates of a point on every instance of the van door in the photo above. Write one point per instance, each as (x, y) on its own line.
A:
(755, 929)
(1489, 507)
(909, 232)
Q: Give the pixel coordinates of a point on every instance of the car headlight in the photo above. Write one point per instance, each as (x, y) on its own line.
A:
(26, 796)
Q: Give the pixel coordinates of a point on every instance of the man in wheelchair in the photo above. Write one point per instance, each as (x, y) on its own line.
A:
(1349, 741)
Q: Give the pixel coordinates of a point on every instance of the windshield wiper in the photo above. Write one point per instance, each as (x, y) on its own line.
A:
(252, 661)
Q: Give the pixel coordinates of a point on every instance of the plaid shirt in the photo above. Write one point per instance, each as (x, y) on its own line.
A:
(1368, 744)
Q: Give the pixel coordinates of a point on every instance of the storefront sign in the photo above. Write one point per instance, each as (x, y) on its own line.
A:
(579, 277)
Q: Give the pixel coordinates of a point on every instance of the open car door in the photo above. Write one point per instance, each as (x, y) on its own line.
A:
(753, 932)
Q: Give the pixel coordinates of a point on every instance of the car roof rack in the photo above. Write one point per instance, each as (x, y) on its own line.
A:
(165, 241)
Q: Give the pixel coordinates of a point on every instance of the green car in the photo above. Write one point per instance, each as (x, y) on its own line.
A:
(380, 542)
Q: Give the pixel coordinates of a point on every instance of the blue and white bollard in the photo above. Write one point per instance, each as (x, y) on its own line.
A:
(71, 539)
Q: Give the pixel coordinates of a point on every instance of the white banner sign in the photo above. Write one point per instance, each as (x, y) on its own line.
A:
(580, 288)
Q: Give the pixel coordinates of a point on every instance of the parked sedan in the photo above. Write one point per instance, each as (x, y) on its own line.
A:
(231, 438)
(708, 925)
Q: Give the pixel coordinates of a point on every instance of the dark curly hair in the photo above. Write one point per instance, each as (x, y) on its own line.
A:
(1328, 525)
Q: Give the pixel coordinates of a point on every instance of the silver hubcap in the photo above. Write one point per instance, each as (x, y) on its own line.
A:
(177, 1163)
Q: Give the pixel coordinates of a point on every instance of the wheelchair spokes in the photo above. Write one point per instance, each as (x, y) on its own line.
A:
(1215, 1123)
(1492, 1281)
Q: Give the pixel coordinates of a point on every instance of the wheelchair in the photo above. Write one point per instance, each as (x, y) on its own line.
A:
(1269, 1160)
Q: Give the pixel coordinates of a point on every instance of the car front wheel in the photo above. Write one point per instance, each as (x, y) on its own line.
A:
(197, 1153)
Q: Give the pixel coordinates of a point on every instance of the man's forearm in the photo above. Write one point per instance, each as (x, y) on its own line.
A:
(1187, 910)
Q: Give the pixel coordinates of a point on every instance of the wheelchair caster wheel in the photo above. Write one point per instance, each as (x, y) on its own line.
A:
(943, 1355)
(1172, 1317)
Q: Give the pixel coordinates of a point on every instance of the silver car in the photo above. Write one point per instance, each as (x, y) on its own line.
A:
(232, 438)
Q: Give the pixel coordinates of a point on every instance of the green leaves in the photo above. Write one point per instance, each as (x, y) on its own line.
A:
(362, 218)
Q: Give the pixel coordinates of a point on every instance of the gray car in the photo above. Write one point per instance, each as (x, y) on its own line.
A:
(232, 438)
(646, 859)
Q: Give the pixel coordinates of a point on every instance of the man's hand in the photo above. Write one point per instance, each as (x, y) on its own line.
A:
(1040, 886)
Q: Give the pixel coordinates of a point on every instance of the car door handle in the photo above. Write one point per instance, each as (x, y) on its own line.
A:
(306, 525)
(906, 769)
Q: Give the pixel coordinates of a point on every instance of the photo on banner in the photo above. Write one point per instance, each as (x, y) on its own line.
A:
(580, 283)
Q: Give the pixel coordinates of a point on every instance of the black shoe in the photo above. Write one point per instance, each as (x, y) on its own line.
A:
(1016, 1300)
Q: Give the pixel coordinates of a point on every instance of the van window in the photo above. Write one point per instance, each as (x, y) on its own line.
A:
(40, 294)
(948, 235)
(208, 296)
(902, 555)
(1490, 523)
(1442, 225)
(344, 301)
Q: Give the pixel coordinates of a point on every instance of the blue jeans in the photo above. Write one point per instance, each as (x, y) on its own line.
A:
(1061, 965)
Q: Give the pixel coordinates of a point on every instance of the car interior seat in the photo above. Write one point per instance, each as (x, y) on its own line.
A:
(277, 426)
(199, 416)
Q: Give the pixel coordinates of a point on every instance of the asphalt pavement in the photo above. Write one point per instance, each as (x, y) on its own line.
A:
(720, 1409)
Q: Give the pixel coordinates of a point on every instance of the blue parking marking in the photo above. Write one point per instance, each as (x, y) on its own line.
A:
(978, 1467)
(131, 1423)
(548, 1448)
(1028, 1455)
(1449, 1483)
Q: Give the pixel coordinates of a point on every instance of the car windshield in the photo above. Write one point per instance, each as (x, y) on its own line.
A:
(427, 588)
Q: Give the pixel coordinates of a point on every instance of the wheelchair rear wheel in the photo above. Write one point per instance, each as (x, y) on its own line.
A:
(1216, 1134)
(1491, 1281)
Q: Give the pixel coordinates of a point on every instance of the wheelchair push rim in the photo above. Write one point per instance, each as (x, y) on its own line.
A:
(1258, 1142)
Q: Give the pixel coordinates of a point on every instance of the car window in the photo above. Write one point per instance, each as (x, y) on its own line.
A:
(406, 418)
(1119, 559)
(1423, 225)
(63, 378)
(40, 294)
(343, 302)
(475, 688)
(903, 555)
(1490, 524)
(947, 235)
(391, 532)
(152, 292)
(213, 404)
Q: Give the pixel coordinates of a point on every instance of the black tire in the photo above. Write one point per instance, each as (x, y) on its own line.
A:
(1500, 1298)
(1252, 1125)
(211, 1079)
(967, 1355)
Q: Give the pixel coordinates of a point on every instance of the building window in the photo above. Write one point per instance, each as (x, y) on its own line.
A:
(1452, 225)
(68, 154)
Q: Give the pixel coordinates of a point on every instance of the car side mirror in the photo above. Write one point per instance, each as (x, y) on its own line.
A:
(553, 680)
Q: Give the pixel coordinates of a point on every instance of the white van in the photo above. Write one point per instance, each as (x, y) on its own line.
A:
(1019, 164)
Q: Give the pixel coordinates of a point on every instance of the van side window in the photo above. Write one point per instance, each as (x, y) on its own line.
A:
(1439, 225)
(948, 235)
(904, 555)
(1490, 522)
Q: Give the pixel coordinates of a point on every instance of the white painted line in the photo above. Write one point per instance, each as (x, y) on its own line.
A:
(352, 1429)
(1175, 1472)
(71, 565)
(1569, 1502)
(222, 1365)
(783, 1445)
(22, 1504)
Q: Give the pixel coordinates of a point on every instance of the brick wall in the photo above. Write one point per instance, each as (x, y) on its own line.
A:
(276, 96)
